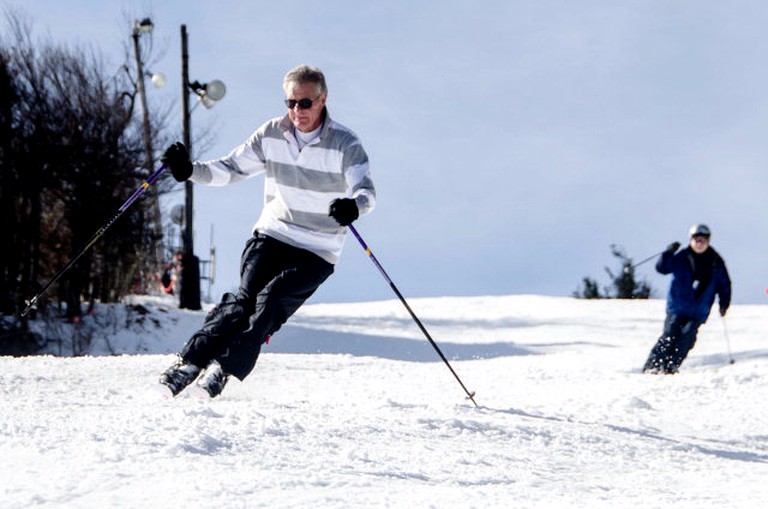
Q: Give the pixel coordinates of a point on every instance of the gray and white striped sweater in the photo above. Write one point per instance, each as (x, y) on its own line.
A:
(300, 184)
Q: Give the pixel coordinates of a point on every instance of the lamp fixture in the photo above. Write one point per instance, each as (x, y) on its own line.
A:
(144, 26)
(209, 93)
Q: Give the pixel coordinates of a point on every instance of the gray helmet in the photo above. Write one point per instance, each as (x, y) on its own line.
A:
(699, 229)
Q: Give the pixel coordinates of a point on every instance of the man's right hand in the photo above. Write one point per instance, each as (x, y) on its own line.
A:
(673, 247)
(176, 158)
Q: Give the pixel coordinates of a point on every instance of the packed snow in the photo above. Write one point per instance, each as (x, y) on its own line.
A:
(350, 406)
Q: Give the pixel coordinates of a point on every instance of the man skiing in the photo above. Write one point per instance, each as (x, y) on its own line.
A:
(317, 183)
(698, 274)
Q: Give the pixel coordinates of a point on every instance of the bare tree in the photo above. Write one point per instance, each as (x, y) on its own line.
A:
(71, 152)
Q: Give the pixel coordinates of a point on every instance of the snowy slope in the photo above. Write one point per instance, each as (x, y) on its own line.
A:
(349, 406)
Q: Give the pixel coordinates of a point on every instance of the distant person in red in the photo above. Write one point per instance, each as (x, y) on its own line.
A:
(170, 279)
(698, 274)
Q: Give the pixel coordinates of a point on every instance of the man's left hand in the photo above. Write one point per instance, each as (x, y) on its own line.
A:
(344, 211)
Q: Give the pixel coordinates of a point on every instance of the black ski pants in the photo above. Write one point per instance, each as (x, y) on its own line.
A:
(673, 346)
(275, 280)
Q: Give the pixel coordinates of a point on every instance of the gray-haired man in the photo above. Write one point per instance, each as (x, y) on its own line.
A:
(317, 183)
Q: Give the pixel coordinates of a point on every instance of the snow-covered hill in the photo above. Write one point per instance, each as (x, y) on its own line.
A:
(349, 406)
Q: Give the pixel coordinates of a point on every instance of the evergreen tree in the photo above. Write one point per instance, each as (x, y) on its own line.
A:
(624, 284)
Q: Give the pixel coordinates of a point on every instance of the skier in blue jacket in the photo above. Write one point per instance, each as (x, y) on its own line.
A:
(698, 274)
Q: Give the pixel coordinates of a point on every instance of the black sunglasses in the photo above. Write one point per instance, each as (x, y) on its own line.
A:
(304, 104)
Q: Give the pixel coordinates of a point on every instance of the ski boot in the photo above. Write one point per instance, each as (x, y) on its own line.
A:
(178, 376)
(213, 380)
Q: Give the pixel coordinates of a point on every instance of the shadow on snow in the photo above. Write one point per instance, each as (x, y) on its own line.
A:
(300, 340)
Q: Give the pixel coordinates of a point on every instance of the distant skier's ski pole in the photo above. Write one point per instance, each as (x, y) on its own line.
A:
(727, 342)
(646, 260)
(32, 303)
(470, 395)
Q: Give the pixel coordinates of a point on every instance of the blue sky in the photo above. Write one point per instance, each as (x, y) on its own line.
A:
(511, 142)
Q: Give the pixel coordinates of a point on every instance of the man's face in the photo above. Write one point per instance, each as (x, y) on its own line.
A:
(308, 119)
(699, 243)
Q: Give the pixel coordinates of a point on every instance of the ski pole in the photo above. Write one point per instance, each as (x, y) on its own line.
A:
(727, 343)
(646, 260)
(470, 395)
(32, 303)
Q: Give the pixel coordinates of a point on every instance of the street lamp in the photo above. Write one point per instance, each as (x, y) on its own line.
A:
(144, 26)
(140, 28)
(208, 94)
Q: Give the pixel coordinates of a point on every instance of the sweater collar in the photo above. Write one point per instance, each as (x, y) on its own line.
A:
(287, 126)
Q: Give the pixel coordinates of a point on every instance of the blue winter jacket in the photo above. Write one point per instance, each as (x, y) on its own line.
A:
(688, 297)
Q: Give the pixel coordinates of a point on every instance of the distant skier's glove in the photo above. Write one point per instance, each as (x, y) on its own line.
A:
(723, 311)
(176, 158)
(673, 247)
(344, 211)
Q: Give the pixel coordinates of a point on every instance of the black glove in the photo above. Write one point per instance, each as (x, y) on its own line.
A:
(673, 247)
(176, 158)
(723, 311)
(344, 211)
